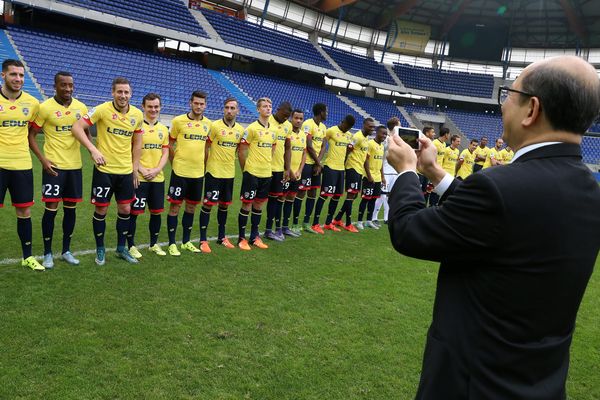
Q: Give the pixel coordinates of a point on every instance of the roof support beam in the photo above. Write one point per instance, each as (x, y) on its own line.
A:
(332, 5)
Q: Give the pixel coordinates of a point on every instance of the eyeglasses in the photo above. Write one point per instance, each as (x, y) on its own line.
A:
(504, 91)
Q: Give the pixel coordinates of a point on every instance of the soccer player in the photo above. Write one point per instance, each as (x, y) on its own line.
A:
(120, 128)
(356, 163)
(61, 163)
(256, 156)
(451, 155)
(440, 145)
(506, 155)
(295, 157)
(389, 174)
(311, 174)
(278, 123)
(338, 139)
(374, 179)
(493, 156)
(189, 133)
(481, 153)
(222, 146)
(464, 165)
(151, 190)
(17, 110)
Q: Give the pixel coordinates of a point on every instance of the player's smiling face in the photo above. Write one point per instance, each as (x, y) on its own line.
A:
(381, 135)
(197, 106)
(64, 88)
(122, 94)
(297, 120)
(151, 109)
(14, 77)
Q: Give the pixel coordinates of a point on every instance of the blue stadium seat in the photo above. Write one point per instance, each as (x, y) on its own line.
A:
(364, 67)
(381, 110)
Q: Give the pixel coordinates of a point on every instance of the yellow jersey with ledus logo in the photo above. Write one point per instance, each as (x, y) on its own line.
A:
(224, 142)
(317, 134)
(360, 147)
(115, 135)
(297, 148)
(493, 154)
(15, 117)
(483, 152)
(506, 155)
(441, 147)
(375, 159)
(338, 142)
(450, 159)
(191, 136)
(466, 168)
(281, 131)
(56, 120)
(260, 140)
(154, 140)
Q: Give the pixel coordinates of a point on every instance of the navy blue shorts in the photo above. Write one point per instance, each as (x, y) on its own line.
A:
(104, 185)
(151, 195)
(20, 185)
(333, 182)
(353, 180)
(188, 189)
(217, 190)
(254, 188)
(66, 186)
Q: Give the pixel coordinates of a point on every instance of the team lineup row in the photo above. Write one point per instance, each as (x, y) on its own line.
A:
(284, 157)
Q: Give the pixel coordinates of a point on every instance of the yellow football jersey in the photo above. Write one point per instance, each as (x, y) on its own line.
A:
(14, 128)
(56, 120)
(224, 142)
(191, 136)
(466, 168)
(375, 159)
(115, 135)
(492, 154)
(317, 133)
(260, 140)
(450, 159)
(297, 147)
(481, 152)
(506, 155)
(154, 140)
(358, 155)
(281, 132)
(441, 147)
(338, 142)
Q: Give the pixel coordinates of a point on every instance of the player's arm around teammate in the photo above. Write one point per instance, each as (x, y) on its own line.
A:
(150, 191)
(61, 163)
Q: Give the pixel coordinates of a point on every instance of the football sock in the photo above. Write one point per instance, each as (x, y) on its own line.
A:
(287, 211)
(171, 228)
(68, 226)
(361, 209)
(254, 223)
(370, 209)
(48, 229)
(187, 221)
(99, 225)
(310, 204)
(242, 222)
(154, 228)
(204, 220)
(131, 231)
(278, 210)
(122, 229)
(320, 203)
(331, 209)
(24, 232)
(222, 220)
(297, 208)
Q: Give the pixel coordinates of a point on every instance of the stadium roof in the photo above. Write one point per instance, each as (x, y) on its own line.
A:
(530, 23)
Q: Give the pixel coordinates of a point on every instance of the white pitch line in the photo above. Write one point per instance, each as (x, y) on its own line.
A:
(8, 261)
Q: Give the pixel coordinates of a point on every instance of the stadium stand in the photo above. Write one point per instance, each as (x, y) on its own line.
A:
(364, 67)
(246, 34)
(595, 128)
(93, 74)
(475, 125)
(170, 14)
(459, 83)
(590, 150)
(8, 51)
(420, 109)
(381, 110)
(300, 95)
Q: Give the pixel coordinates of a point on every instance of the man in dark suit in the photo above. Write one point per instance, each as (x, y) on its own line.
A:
(517, 244)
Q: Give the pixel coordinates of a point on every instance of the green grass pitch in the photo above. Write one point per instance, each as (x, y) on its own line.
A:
(336, 317)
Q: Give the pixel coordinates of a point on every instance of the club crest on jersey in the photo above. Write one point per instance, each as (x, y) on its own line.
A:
(160, 135)
(285, 130)
(132, 121)
(25, 110)
(58, 114)
(205, 127)
(237, 136)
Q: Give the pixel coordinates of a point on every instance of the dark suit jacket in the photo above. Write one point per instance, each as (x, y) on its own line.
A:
(517, 246)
